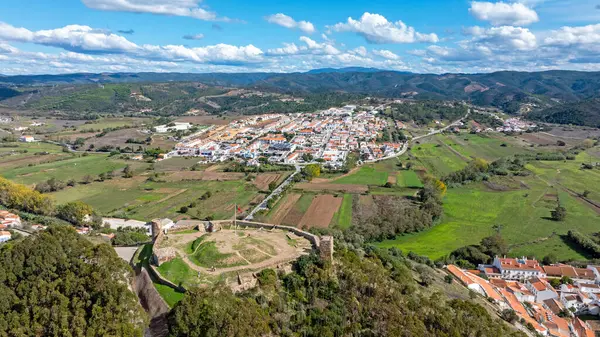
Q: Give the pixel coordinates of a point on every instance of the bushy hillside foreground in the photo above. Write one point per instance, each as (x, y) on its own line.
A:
(374, 295)
(57, 283)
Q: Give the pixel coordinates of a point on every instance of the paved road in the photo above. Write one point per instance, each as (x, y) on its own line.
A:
(405, 147)
(276, 192)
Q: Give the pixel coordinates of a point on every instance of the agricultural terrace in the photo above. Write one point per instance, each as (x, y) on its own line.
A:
(520, 206)
(204, 258)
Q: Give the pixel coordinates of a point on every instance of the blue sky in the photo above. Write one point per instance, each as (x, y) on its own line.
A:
(64, 36)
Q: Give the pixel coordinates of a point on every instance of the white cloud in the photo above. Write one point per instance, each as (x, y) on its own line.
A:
(376, 28)
(72, 37)
(288, 22)
(217, 54)
(501, 13)
(386, 54)
(188, 8)
(567, 36)
(85, 39)
(504, 37)
(311, 47)
(362, 51)
(193, 37)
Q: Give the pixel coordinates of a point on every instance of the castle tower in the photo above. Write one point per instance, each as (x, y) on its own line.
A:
(326, 248)
(156, 228)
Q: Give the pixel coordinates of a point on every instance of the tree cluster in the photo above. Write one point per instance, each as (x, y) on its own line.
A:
(470, 256)
(57, 283)
(585, 242)
(311, 171)
(23, 198)
(424, 112)
(130, 236)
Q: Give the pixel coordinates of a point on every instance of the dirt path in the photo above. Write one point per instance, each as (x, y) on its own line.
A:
(171, 196)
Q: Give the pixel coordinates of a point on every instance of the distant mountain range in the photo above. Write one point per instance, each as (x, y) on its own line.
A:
(345, 70)
(508, 90)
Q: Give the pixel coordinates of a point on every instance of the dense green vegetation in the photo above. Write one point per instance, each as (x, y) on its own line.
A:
(586, 243)
(58, 283)
(375, 295)
(579, 113)
(425, 112)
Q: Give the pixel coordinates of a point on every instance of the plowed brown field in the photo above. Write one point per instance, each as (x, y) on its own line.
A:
(321, 211)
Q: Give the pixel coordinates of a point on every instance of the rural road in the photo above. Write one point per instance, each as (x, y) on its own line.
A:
(405, 147)
(280, 188)
(276, 192)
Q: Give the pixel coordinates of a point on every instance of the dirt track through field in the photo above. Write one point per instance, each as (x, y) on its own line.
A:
(321, 211)
(332, 187)
(284, 208)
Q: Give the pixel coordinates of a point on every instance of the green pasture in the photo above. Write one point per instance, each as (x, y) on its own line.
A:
(343, 217)
(569, 174)
(144, 200)
(72, 168)
(409, 178)
(437, 158)
(470, 212)
(485, 146)
(367, 175)
(30, 147)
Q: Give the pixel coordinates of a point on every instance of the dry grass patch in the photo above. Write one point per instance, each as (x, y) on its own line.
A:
(284, 208)
(321, 211)
(263, 180)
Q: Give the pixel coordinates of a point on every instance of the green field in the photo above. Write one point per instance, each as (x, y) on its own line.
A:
(72, 168)
(31, 147)
(366, 175)
(343, 217)
(438, 159)
(409, 179)
(470, 212)
(176, 271)
(139, 199)
(485, 146)
(570, 175)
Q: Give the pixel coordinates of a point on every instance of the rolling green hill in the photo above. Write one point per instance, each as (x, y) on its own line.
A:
(507, 90)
